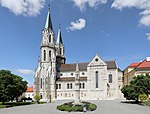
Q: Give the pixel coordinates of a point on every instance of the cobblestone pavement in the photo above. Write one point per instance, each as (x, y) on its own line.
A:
(104, 107)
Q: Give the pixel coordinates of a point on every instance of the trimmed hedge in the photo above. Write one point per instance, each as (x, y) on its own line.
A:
(77, 108)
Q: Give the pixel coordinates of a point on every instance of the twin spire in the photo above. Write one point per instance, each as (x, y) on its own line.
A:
(48, 25)
(59, 37)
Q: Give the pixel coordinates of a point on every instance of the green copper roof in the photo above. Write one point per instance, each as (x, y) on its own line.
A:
(48, 23)
(59, 37)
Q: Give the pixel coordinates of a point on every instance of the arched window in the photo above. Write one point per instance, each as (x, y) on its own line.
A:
(110, 78)
(80, 86)
(70, 85)
(44, 55)
(67, 86)
(96, 77)
(56, 86)
(83, 85)
(59, 86)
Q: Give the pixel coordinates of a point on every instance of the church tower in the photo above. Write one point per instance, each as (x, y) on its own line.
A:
(60, 55)
(45, 75)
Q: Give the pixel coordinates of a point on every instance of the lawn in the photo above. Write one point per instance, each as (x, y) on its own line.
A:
(11, 104)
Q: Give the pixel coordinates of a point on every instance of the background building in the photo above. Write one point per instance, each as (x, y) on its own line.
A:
(134, 69)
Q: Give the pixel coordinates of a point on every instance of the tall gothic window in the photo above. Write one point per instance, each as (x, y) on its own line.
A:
(44, 55)
(49, 38)
(110, 78)
(41, 83)
(50, 54)
(96, 74)
(60, 51)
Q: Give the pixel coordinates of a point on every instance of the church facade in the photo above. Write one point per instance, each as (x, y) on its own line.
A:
(54, 79)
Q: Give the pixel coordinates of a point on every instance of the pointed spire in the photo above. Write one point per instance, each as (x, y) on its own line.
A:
(59, 37)
(48, 23)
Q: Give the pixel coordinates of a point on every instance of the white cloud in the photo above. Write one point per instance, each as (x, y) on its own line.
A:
(81, 4)
(23, 7)
(139, 4)
(25, 71)
(77, 25)
(148, 36)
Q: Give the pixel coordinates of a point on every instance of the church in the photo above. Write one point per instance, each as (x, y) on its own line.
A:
(54, 79)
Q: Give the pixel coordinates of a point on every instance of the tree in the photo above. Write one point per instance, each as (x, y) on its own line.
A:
(139, 85)
(11, 86)
(37, 98)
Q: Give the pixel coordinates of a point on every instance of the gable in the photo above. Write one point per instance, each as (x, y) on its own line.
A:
(97, 61)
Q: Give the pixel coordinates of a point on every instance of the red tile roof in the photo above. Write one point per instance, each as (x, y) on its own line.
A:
(134, 64)
(144, 64)
(29, 89)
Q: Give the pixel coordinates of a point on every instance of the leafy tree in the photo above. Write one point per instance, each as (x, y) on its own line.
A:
(11, 86)
(139, 85)
(143, 97)
(37, 98)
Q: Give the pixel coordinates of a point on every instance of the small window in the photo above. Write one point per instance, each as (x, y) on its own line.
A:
(65, 94)
(61, 74)
(80, 86)
(59, 86)
(71, 74)
(56, 86)
(83, 73)
(96, 59)
(71, 86)
(83, 85)
(67, 86)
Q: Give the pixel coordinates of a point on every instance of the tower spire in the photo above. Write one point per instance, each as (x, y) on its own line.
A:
(48, 23)
(59, 37)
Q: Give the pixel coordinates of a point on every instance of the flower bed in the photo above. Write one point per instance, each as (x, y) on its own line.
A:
(85, 106)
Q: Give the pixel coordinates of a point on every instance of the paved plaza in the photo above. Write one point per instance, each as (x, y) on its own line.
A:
(104, 107)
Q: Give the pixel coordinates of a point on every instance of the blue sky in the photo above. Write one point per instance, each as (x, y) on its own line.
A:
(115, 29)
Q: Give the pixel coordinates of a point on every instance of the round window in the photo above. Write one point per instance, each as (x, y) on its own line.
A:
(96, 59)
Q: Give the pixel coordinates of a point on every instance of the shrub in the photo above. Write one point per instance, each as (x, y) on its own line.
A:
(91, 107)
(143, 97)
(37, 98)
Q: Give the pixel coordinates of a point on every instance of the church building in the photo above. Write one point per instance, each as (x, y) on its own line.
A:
(54, 79)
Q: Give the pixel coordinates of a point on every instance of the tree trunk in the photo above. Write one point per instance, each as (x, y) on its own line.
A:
(3, 102)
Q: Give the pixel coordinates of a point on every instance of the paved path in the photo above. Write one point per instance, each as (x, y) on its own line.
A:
(104, 107)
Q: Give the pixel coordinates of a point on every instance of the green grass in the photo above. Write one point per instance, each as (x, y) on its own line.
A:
(11, 104)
